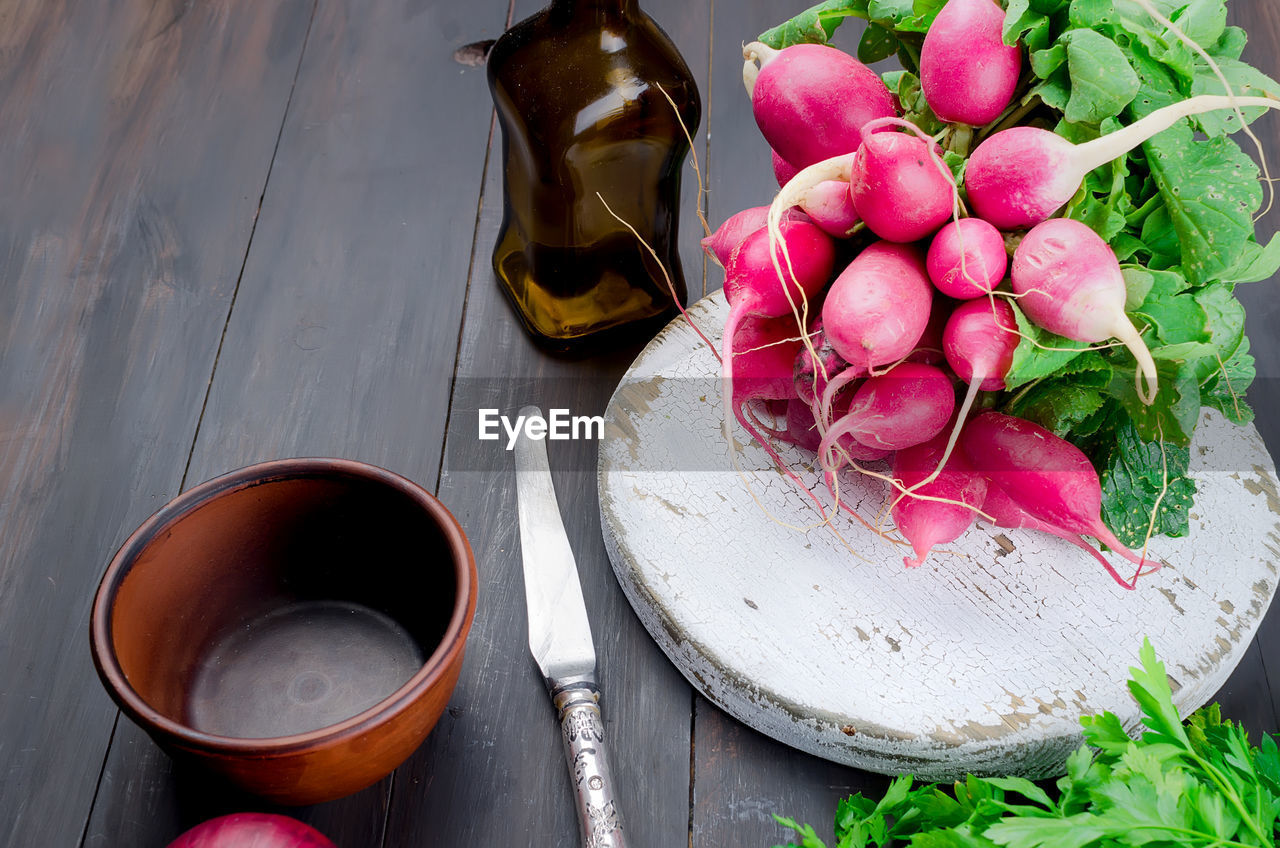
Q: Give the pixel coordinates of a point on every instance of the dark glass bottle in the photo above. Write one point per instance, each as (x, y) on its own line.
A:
(576, 90)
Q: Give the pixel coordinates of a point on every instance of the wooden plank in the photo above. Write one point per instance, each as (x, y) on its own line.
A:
(494, 767)
(345, 327)
(740, 174)
(136, 139)
(1252, 695)
(1262, 22)
(744, 779)
(1245, 697)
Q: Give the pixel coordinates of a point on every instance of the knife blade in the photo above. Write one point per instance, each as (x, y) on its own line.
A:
(560, 640)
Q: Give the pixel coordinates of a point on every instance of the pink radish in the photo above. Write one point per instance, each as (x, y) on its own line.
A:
(904, 407)
(924, 522)
(764, 352)
(878, 308)
(1020, 177)
(1048, 477)
(967, 72)
(929, 349)
(967, 258)
(829, 205)
(1070, 283)
(755, 290)
(979, 341)
(1006, 513)
(783, 170)
(899, 187)
(810, 374)
(826, 202)
(802, 430)
(751, 281)
(720, 244)
(811, 101)
(853, 448)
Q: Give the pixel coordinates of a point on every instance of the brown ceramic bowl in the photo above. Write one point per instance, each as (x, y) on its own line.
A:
(295, 626)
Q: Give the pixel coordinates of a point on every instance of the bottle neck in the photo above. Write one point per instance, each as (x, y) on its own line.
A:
(599, 9)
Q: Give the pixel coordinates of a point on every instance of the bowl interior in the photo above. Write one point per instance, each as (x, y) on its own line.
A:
(280, 607)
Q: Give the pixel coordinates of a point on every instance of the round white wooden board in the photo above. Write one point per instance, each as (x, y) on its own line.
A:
(982, 660)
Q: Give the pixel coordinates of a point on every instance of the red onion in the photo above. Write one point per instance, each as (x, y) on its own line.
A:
(252, 830)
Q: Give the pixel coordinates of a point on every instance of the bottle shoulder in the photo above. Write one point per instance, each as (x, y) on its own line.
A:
(577, 62)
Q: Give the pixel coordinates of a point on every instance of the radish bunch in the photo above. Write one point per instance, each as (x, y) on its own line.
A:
(997, 267)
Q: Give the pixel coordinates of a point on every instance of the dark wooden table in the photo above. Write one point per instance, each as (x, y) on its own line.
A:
(232, 231)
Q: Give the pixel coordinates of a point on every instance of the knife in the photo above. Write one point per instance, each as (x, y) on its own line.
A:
(560, 640)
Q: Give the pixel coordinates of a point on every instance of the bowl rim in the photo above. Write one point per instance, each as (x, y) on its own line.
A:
(247, 477)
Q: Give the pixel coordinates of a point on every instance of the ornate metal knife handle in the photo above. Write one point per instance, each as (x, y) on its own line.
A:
(577, 702)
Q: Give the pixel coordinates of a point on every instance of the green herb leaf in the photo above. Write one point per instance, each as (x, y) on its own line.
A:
(1231, 45)
(1103, 82)
(1267, 764)
(1160, 239)
(1091, 13)
(1024, 19)
(1199, 785)
(877, 43)
(1138, 283)
(1055, 91)
(1039, 353)
(904, 15)
(1149, 685)
(815, 25)
(1225, 317)
(1045, 62)
(1245, 80)
(1059, 405)
(914, 106)
(1174, 314)
(1106, 733)
(1225, 389)
(1257, 263)
(1211, 191)
(809, 837)
(1174, 414)
(1203, 22)
(1133, 478)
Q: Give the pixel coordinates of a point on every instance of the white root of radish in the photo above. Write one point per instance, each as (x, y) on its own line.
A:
(697, 170)
(756, 55)
(1102, 150)
(670, 286)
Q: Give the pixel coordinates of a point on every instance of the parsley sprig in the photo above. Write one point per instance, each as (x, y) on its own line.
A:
(1174, 786)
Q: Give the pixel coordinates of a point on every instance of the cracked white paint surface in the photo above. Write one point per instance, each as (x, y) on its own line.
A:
(982, 660)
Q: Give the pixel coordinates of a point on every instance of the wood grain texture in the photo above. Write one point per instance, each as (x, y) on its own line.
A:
(136, 139)
(494, 766)
(739, 173)
(344, 332)
(1260, 673)
(1262, 22)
